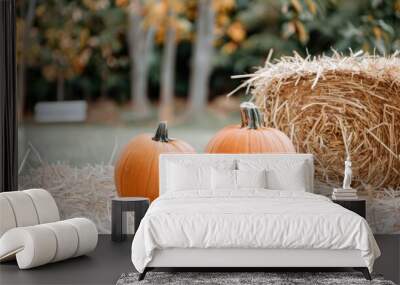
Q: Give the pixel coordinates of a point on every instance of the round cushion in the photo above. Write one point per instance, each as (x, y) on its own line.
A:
(87, 233)
(32, 246)
(67, 239)
(7, 220)
(46, 207)
(40, 244)
(23, 208)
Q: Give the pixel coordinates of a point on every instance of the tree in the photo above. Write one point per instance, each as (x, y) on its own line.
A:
(174, 28)
(141, 40)
(71, 37)
(107, 57)
(167, 84)
(202, 56)
(64, 49)
(369, 25)
(376, 30)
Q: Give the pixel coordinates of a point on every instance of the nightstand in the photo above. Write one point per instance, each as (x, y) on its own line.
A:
(357, 206)
(119, 206)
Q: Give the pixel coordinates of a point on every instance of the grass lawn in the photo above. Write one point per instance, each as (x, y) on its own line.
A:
(80, 144)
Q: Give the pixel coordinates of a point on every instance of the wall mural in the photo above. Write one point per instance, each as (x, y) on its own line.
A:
(333, 107)
(93, 75)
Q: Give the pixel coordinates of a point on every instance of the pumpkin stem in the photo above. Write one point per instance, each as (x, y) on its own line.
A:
(254, 119)
(244, 113)
(260, 117)
(251, 116)
(161, 134)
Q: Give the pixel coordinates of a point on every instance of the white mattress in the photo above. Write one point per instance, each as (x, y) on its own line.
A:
(252, 219)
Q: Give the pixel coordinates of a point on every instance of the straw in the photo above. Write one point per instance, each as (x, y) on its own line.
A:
(334, 107)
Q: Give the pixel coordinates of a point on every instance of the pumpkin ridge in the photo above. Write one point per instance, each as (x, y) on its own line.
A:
(156, 155)
(261, 147)
(226, 141)
(237, 146)
(168, 148)
(137, 167)
(181, 146)
(248, 141)
(123, 163)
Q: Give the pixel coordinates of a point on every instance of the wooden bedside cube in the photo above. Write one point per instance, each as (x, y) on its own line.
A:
(357, 206)
(119, 206)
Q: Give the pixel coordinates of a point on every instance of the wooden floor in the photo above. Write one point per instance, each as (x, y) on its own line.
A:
(103, 266)
(110, 260)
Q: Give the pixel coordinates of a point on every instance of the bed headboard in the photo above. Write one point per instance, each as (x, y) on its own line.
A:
(215, 159)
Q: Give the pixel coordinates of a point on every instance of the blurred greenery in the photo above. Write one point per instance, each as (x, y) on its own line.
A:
(84, 42)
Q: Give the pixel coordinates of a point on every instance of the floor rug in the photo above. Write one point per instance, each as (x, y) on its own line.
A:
(268, 278)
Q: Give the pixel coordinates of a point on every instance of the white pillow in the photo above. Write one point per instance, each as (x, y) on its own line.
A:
(251, 179)
(181, 178)
(223, 179)
(290, 179)
(282, 174)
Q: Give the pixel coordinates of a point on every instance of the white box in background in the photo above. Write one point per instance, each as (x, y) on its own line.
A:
(65, 111)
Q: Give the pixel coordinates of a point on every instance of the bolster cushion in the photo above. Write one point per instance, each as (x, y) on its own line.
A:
(26, 208)
(40, 244)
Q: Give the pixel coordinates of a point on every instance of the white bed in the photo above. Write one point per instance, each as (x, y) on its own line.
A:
(248, 227)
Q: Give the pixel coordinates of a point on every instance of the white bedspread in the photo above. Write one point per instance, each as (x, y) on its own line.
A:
(250, 219)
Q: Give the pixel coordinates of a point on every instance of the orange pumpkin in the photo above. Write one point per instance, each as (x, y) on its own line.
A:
(136, 171)
(250, 137)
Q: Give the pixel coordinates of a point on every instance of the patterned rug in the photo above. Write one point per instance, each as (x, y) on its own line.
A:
(268, 278)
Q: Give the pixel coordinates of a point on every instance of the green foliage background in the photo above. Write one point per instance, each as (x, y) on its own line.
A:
(85, 42)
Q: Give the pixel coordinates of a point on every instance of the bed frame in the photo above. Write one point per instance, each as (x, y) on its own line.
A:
(246, 259)
(256, 259)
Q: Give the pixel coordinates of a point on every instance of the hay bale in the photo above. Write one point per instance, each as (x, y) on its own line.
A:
(328, 105)
(79, 192)
(383, 210)
(87, 192)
